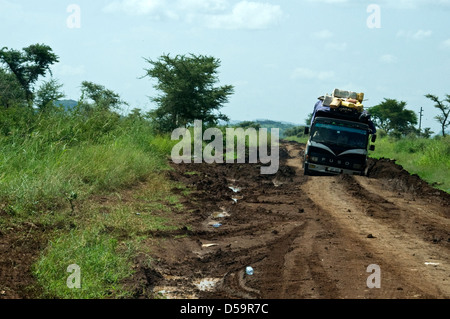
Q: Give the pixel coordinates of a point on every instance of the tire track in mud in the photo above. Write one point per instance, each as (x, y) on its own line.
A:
(402, 249)
(305, 237)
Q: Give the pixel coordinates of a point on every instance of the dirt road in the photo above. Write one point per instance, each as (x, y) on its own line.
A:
(304, 237)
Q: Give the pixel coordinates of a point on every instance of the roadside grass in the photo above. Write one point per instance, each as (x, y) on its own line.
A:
(68, 175)
(298, 139)
(96, 253)
(109, 231)
(428, 158)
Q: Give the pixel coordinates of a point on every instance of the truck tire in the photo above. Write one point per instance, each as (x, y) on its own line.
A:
(305, 170)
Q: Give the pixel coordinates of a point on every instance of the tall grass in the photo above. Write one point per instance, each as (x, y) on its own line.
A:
(428, 158)
(48, 161)
(66, 153)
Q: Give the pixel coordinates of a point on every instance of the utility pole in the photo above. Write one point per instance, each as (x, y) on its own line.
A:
(420, 121)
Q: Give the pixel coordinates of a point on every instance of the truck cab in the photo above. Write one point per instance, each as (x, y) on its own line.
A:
(337, 146)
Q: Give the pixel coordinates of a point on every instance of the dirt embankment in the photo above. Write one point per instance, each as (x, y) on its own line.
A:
(304, 237)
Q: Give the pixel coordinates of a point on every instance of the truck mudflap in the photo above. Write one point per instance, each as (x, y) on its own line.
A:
(317, 169)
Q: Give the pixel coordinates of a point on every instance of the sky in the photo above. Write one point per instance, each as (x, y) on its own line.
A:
(280, 55)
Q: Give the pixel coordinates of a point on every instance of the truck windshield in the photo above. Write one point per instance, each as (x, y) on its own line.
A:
(350, 137)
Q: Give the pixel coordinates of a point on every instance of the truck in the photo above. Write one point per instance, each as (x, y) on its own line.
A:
(339, 141)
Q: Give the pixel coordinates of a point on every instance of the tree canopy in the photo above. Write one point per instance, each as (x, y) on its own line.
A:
(393, 117)
(28, 65)
(97, 96)
(444, 117)
(188, 91)
(48, 93)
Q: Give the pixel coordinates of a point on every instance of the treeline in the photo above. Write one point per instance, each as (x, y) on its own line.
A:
(187, 86)
(51, 153)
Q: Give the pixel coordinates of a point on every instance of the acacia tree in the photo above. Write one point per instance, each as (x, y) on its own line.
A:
(34, 61)
(188, 91)
(48, 93)
(444, 117)
(393, 117)
(102, 98)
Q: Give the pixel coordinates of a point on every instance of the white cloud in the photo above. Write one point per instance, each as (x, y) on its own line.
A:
(418, 35)
(247, 15)
(305, 73)
(415, 4)
(445, 44)
(211, 13)
(333, 46)
(421, 34)
(69, 70)
(329, 1)
(388, 58)
(324, 34)
(395, 4)
(200, 6)
(133, 7)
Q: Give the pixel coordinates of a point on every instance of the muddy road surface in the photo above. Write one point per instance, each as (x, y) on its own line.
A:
(382, 236)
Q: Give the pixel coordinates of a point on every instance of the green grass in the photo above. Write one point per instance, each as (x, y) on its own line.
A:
(428, 158)
(102, 262)
(302, 140)
(52, 170)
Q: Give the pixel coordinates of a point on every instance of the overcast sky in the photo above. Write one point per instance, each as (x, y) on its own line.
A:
(279, 54)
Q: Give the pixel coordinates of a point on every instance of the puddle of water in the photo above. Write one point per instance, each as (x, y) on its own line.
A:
(277, 183)
(235, 189)
(172, 292)
(431, 263)
(220, 215)
(236, 198)
(214, 224)
(206, 284)
(209, 245)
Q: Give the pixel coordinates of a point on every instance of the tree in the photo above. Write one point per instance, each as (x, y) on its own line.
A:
(102, 98)
(11, 92)
(309, 119)
(247, 124)
(48, 94)
(444, 118)
(392, 117)
(29, 65)
(188, 90)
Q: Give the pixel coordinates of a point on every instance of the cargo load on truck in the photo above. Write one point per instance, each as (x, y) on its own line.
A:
(344, 105)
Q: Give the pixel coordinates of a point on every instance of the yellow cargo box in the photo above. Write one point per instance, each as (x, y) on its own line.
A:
(356, 106)
(336, 103)
(360, 97)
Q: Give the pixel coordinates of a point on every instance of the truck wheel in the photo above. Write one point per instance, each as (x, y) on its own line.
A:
(305, 170)
(365, 172)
